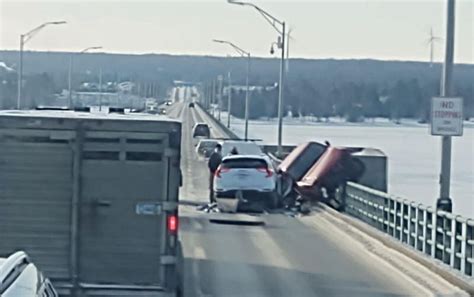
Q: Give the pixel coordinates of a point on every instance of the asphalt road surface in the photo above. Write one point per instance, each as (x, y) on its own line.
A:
(287, 256)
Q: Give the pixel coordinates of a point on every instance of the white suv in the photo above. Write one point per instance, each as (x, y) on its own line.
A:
(248, 178)
(20, 277)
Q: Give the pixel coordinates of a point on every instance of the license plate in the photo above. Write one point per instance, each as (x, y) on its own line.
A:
(147, 208)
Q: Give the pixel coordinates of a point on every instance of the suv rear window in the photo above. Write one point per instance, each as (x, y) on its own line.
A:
(244, 163)
(201, 129)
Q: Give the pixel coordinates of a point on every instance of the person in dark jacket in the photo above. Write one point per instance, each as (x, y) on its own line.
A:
(234, 151)
(215, 160)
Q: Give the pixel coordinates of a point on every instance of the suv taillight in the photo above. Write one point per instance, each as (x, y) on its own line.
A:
(220, 170)
(172, 223)
(266, 170)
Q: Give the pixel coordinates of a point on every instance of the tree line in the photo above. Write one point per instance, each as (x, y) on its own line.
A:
(354, 89)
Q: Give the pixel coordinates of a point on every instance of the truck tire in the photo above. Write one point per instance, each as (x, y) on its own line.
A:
(179, 271)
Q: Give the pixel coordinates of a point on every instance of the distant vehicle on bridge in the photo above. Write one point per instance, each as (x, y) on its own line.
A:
(201, 130)
(191, 105)
(20, 277)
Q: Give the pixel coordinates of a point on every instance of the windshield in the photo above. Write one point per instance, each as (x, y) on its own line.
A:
(239, 148)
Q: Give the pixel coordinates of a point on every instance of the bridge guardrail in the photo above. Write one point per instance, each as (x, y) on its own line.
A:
(440, 235)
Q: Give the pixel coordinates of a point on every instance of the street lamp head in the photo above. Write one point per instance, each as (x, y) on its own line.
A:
(279, 43)
(236, 2)
(218, 41)
(58, 23)
(90, 48)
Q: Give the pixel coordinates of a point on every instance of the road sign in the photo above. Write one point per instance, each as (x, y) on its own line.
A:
(446, 116)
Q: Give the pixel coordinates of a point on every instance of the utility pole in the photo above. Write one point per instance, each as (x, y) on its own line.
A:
(247, 94)
(69, 83)
(220, 79)
(280, 92)
(20, 73)
(100, 89)
(444, 201)
(229, 100)
(213, 97)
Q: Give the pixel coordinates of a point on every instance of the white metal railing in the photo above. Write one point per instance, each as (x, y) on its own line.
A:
(441, 235)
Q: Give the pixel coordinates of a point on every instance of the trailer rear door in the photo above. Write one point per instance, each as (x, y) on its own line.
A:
(120, 170)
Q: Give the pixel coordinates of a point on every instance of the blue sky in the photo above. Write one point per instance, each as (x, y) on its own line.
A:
(376, 29)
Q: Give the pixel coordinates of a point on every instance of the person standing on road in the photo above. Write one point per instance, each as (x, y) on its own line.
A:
(234, 151)
(214, 161)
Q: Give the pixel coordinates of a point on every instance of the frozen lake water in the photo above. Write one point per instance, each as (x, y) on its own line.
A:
(414, 156)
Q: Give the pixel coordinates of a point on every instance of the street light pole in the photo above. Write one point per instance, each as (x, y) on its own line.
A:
(213, 97)
(274, 22)
(71, 65)
(20, 73)
(24, 38)
(219, 78)
(100, 89)
(69, 82)
(242, 53)
(247, 94)
(444, 201)
(280, 92)
(229, 100)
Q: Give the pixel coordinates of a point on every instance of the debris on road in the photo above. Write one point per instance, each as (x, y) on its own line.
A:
(210, 207)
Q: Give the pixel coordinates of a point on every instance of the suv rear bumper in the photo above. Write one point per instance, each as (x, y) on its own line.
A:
(251, 200)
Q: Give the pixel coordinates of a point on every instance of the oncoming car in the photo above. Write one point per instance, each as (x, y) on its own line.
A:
(201, 130)
(20, 277)
(248, 178)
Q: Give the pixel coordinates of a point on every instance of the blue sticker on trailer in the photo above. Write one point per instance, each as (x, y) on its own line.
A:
(148, 208)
